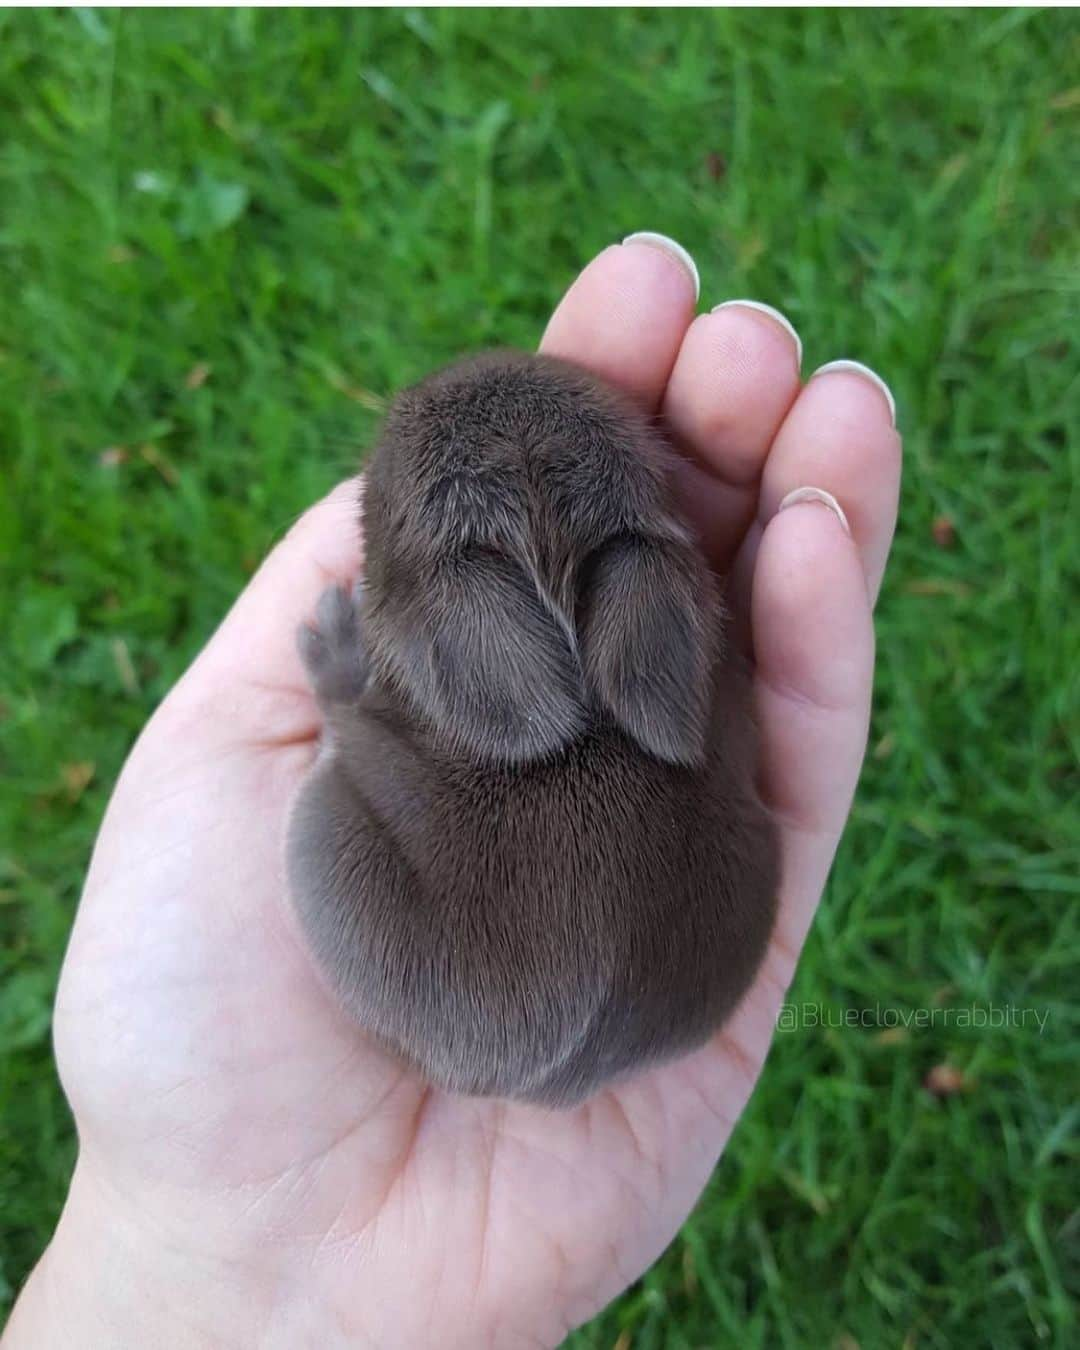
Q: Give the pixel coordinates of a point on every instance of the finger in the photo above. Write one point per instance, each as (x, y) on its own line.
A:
(252, 662)
(625, 315)
(735, 377)
(815, 655)
(814, 645)
(840, 436)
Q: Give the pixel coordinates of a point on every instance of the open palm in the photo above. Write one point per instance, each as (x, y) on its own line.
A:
(304, 1187)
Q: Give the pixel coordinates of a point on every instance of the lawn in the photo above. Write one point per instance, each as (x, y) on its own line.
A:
(226, 238)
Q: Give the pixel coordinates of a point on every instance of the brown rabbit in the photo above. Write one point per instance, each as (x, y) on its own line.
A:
(530, 857)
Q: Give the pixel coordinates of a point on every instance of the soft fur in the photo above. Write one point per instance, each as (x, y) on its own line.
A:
(530, 857)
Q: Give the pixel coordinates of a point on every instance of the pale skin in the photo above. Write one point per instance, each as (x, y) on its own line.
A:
(252, 1172)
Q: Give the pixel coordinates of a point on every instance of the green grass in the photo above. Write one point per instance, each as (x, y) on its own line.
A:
(320, 207)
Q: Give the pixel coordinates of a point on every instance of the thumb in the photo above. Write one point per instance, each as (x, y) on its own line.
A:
(249, 676)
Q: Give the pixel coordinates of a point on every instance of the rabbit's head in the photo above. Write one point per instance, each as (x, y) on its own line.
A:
(526, 571)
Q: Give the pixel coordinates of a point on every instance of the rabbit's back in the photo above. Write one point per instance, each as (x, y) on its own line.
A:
(536, 931)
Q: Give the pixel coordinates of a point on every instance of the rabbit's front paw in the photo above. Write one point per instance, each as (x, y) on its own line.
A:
(333, 649)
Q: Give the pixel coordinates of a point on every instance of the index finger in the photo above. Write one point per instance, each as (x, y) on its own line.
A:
(625, 316)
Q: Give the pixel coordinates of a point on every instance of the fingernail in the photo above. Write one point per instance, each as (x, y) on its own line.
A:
(857, 368)
(813, 494)
(782, 319)
(677, 251)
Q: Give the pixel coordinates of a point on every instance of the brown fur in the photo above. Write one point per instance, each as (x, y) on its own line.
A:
(530, 857)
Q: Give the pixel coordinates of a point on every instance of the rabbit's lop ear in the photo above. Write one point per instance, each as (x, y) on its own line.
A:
(491, 665)
(648, 627)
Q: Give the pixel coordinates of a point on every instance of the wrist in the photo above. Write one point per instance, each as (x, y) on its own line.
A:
(111, 1280)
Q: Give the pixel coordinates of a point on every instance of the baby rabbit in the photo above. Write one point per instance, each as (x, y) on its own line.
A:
(530, 857)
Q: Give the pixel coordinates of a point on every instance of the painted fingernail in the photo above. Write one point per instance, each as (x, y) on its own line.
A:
(782, 319)
(813, 494)
(677, 251)
(857, 368)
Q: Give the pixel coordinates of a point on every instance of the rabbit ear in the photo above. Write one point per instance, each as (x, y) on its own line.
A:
(648, 628)
(491, 665)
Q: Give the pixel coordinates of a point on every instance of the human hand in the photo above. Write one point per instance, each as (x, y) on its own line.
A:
(251, 1170)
